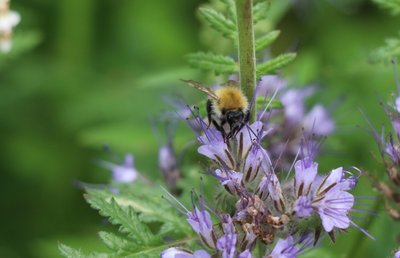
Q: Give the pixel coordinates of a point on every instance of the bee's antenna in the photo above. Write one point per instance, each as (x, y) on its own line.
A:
(269, 103)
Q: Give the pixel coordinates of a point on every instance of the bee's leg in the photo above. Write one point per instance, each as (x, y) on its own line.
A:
(218, 127)
(209, 113)
(222, 130)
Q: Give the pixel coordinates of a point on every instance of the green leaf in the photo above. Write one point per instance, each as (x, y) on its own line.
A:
(274, 64)
(390, 50)
(219, 22)
(211, 62)
(392, 5)
(117, 243)
(266, 40)
(123, 216)
(231, 9)
(156, 211)
(67, 251)
(70, 252)
(260, 11)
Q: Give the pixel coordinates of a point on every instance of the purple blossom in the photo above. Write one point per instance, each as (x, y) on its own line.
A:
(331, 201)
(168, 165)
(293, 101)
(201, 223)
(248, 136)
(302, 207)
(318, 121)
(219, 152)
(397, 104)
(269, 84)
(227, 224)
(305, 172)
(199, 219)
(397, 254)
(226, 245)
(124, 173)
(174, 252)
(334, 208)
(270, 186)
(285, 248)
(252, 164)
(230, 179)
(327, 195)
(245, 254)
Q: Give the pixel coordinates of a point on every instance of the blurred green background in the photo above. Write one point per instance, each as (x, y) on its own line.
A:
(93, 72)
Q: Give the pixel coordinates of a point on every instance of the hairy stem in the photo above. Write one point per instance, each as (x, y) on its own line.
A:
(246, 49)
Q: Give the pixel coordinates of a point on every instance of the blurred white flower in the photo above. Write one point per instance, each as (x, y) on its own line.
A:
(8, 20)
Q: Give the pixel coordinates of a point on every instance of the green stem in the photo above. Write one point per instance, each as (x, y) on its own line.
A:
(246, 49)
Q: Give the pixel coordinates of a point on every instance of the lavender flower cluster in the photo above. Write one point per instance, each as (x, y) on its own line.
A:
(290, 213)
(389, 146)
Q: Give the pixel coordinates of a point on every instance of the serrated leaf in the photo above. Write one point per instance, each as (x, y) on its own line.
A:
(70, 252)
(123, 216)
(231, 9)
(266, 40)
(211, 62)
(117, 243)
(67, 251)
(274, 64)
(392, 5)
(260, 11)
(150, 211)
(390, 50)
(219, 22)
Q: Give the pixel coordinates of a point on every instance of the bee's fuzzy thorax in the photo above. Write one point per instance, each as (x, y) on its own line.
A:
(231, 98)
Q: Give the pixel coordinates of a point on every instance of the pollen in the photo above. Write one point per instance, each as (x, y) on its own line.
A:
(231, 98)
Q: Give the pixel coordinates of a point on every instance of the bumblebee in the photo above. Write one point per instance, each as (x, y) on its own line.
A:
(227, 107)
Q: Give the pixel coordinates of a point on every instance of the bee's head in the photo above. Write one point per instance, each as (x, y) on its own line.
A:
(235, 119)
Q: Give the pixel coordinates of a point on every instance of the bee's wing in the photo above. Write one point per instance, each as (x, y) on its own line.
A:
(231, 83)
(202, 88)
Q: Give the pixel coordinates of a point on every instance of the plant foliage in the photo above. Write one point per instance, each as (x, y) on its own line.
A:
(225, 23)
(144, 221)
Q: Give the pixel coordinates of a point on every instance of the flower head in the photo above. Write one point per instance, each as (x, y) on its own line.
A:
(168, 165)
(174, 252)
(397, 254)
(124, 173)
(226, 245)
(285, 248)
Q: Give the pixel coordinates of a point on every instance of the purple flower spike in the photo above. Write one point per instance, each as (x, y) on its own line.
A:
(397, 254)
(201, 223)
(285, 249)
(302, 207)
(174, 252)
(125, 173)
(226, 245)
(305, 173)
